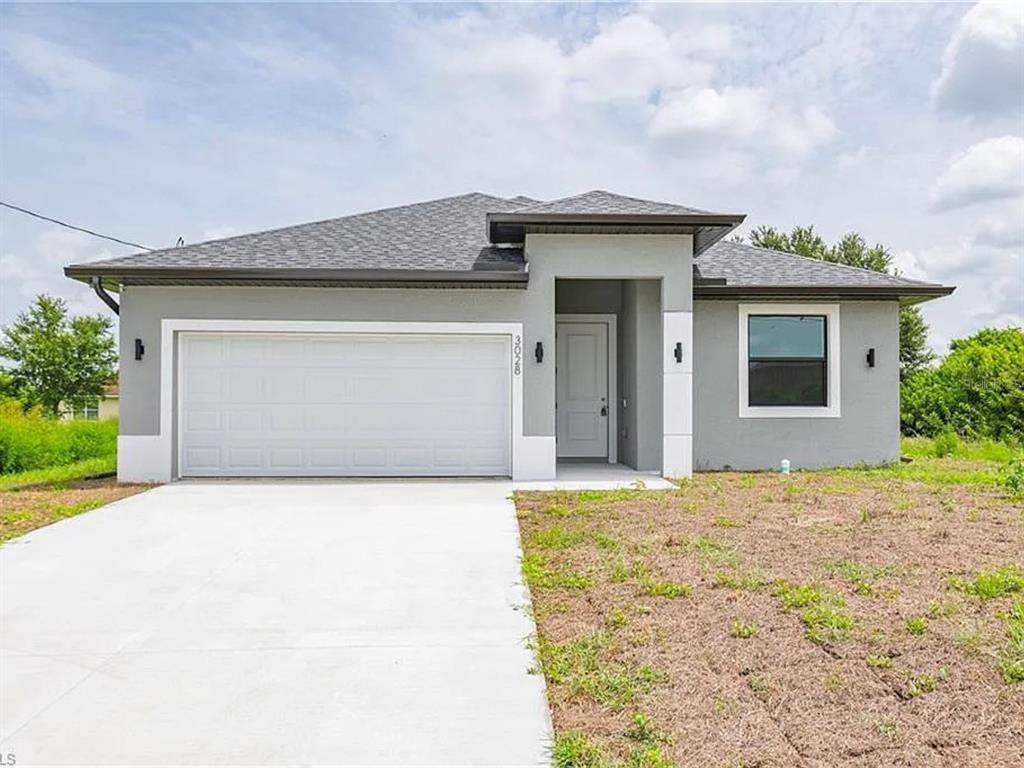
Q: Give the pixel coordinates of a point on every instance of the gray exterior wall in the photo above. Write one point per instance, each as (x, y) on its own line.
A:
(666, 258)
(866, 432)
(640, 382)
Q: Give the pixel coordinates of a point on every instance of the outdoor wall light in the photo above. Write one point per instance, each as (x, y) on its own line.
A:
(140, 349)
(871, 357)
(538, 352)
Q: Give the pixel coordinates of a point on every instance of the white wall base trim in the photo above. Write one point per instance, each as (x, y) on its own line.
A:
(143, 459)
(677, 456)
(534, 458)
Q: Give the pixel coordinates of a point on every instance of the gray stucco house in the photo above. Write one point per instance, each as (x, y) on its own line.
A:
(478, 335)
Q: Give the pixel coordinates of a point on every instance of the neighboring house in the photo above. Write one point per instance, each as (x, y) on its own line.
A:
(478, 335)
(105, 407)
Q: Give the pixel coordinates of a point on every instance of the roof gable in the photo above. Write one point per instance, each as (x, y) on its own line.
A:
(598, 202)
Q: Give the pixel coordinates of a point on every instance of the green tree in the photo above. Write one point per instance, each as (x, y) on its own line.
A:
(58, 361)
(978, 389)
(853, 251)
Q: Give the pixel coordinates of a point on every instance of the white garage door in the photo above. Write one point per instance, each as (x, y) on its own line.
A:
(289, 404)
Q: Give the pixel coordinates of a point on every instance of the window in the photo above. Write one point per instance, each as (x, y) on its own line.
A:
(789, 360)
(90, 411)
(786, 359)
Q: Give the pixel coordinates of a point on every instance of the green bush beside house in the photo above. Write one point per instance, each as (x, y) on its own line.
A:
(28, 440)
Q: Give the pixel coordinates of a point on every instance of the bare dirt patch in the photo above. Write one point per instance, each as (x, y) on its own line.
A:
(26, 509)
(811, 622)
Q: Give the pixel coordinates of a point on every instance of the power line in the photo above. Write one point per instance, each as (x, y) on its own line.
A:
(72, 226)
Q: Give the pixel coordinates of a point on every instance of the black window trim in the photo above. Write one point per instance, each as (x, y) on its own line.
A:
(824, 360)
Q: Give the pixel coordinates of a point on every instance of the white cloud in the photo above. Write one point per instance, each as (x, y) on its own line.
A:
(989, 287)
(1004, 229)
(285, 63)
(983, 66)
(634, 56)
(740, 113)
(57, 67)
(992, 169)
(847, 160)
(37, 268)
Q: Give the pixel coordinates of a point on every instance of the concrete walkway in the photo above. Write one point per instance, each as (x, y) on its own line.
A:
(273, 623)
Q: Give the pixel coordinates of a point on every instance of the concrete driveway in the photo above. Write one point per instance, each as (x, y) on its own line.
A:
(272, 622)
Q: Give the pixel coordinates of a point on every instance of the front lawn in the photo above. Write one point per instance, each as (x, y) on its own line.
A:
(31, 500)
(849, 618)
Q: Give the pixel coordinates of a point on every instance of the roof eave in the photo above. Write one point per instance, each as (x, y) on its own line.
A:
(913, 294)
(510, 227)
(114, 276)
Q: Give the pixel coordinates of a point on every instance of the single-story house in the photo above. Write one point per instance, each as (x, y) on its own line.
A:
(104, 407)
(480, 335)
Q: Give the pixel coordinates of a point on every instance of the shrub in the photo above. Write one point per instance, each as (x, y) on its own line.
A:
(946, 444)
(1013, 476)
(977, 391)
(30, 441)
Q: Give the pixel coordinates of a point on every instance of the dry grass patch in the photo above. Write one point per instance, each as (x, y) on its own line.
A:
(852, 618)
(28, 508)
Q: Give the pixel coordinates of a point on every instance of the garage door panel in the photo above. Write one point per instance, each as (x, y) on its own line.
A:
(242, 351)
(205, 350)
(242, 385)
(335, 404)
(197, 420)
(202, 386)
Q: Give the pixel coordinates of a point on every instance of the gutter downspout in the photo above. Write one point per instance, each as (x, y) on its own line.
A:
(106, 298)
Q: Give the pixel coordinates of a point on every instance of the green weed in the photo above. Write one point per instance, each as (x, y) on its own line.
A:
(607, 542)
(574, 750)
(669, 589)
(557, 537)
(712, 551)
(987, 585)
(878, 661)
(820, 611)
(739, 581)
(917, 625)
(742, 629)
(1011, 661)
(539, 575)
(582, 666)
(887, 728)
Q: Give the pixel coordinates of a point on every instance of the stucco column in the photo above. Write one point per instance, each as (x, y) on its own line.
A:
(677, 402)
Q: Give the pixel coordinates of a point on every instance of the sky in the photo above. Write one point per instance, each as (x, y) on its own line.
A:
(903, 122)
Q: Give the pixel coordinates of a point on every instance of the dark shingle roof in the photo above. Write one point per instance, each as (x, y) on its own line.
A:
(599, 202)
(747, 266)
(447, 239)
(438, 235)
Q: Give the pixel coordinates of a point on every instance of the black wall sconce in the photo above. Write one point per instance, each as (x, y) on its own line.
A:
(679, 352)
(538, 352)
(871, 357)
(140, 349)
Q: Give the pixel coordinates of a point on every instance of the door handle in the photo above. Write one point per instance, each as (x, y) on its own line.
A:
(604, 410)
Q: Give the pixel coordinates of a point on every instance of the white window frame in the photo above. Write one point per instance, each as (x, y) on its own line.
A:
(830, 411)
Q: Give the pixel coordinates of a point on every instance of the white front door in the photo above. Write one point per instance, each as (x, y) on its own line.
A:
(581, 389)
(337, 404)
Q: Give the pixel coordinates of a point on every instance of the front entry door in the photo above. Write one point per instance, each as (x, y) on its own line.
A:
(581, 389)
